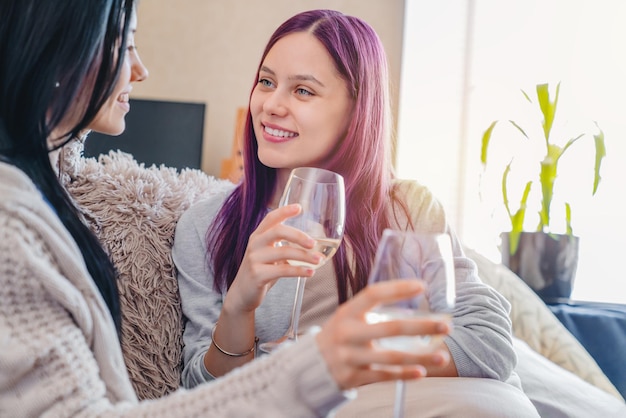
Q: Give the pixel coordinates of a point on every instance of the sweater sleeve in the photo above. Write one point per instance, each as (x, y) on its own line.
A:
(201, 304)
(481, 339)
(48, 367)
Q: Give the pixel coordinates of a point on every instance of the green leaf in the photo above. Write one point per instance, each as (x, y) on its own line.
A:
(519, 128)
(505, 194)
(485, 142)
(568, 219)
(547, 177)
(548, 108)
(517, 220)
(600, 154)
(569, 144)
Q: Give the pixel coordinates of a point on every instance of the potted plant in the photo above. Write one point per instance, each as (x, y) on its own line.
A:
(545, 260)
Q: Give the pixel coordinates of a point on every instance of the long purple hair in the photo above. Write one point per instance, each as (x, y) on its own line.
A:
(360, 59)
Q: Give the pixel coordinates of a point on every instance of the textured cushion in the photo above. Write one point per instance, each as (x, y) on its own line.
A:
(534, 323)
(134, 210)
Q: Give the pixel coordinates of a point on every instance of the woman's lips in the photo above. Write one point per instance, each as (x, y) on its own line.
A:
(122, 101)
(277, 135)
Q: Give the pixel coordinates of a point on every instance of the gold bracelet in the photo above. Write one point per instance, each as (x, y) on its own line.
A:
(228, 353)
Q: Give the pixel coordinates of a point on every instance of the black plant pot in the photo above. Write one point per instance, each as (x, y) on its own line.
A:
(546, 262)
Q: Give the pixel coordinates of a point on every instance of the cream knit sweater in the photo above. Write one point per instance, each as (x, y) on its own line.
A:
(60, 354)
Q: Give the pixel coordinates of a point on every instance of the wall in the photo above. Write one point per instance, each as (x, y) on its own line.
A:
(208, 50)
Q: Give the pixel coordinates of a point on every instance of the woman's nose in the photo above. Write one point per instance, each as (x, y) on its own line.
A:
(275, 103)
(139, 71)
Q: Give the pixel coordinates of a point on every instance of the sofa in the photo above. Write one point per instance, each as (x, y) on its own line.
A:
(134, 209)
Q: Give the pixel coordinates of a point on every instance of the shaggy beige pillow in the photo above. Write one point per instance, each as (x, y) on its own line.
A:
(535, 324)
(134, 210)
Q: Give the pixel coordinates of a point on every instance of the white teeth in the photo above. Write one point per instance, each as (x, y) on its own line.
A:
(123, 98)
(279, 133)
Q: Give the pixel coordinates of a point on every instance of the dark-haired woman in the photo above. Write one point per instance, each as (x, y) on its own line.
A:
(66, 67)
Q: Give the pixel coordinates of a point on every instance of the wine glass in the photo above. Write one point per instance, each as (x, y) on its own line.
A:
(322, 197)
(414, 256)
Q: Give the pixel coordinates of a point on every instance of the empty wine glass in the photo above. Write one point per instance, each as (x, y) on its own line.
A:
(414, 256)
(322, 197)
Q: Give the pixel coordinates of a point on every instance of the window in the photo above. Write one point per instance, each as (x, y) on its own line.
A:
(464, 63)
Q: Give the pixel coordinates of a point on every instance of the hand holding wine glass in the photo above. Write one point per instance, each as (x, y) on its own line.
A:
(322, 197)
(414, 256)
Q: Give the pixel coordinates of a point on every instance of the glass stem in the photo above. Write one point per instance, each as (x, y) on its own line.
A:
(398, 406)
(292, 332)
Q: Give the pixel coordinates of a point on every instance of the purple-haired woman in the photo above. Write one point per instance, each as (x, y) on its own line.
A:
(321, 99)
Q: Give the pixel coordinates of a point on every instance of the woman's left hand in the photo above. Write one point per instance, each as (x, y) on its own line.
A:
(346, 340)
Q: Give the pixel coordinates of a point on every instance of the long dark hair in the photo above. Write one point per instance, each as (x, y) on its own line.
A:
(59, 61)
(360, 59)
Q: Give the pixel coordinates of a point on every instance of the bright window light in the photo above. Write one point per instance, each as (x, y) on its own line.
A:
(464, 64)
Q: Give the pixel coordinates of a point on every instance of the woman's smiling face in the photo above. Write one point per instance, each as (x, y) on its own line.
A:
(111, 117)
(300, 106)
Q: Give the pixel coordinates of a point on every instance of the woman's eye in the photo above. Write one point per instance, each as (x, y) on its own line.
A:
(303, 92)
(265, 82)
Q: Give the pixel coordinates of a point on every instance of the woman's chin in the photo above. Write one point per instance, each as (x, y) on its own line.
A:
(112, 130)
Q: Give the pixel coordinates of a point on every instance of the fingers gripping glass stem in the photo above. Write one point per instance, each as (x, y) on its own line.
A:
(322, 197)
(408, 255)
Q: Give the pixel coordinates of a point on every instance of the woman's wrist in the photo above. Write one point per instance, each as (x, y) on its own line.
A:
(228, 349)
(234, 306)
(222, 350)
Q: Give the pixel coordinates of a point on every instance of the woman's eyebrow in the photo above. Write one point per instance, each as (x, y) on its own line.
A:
(306, 77)
(298, 77)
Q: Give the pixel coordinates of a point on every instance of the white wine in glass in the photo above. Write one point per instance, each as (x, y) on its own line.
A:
(321, 194)
(326, 247)
(410, 255)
